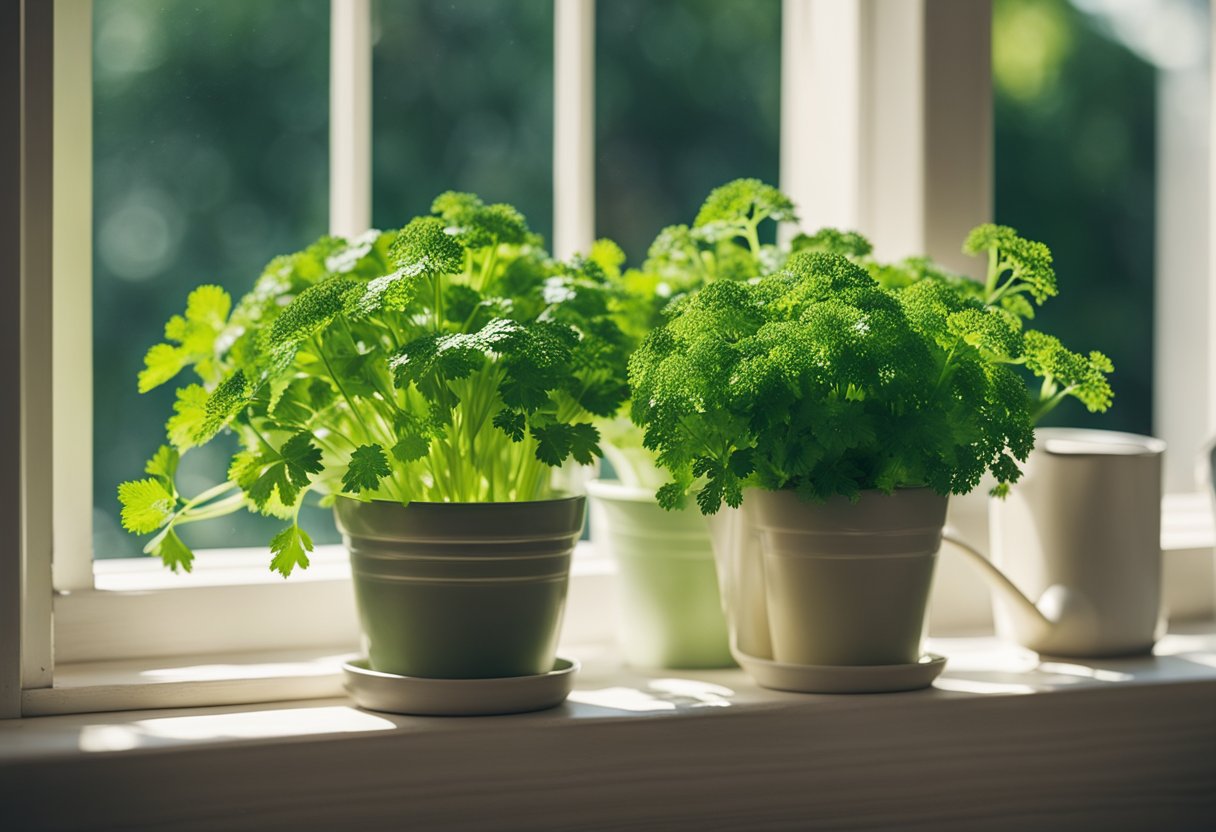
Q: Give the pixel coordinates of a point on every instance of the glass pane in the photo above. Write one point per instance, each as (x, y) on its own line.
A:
(210, 156)
(1078, 122)
(463, 100)
(687, 97)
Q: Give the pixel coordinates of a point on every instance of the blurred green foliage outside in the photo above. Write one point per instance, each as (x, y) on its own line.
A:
(211, 142)
(1075, 166)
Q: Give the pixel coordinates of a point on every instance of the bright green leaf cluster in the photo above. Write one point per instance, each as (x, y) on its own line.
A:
(837, 374)
(724, 243)
(452, 360)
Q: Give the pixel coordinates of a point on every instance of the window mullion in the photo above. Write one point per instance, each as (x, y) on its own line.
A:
(25, 354)
(820, 74)
(573, 126)
(72, 279)
(1177, 397)
(887, 119)
(350, 117)
(10, 407)
(956, 56)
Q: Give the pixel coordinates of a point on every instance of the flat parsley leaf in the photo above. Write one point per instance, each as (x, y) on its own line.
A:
(171, 550)
(368, 466)
(290, 548)
(146, 505)
(286, 471)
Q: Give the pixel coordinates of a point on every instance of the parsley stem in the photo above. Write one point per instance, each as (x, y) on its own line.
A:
(209, 494)
(337, 380)
(212, 510)
(753, 239)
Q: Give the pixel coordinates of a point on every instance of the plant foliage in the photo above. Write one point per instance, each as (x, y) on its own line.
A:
(836, 374)
(724, 243)
(452, 360)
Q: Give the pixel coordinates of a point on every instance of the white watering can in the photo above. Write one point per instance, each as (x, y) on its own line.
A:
(1076, 546)
(1076, 567)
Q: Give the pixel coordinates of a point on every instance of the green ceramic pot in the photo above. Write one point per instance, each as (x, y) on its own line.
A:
(461, 590)
(669, 613)
(847, 583)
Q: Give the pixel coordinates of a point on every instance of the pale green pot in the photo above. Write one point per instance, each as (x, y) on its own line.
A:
(461, 590)
(669, 612)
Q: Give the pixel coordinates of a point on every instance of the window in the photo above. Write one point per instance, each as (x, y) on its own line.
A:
(210, 156)
(213, 144)
(1101, 113)
(462, 99)
(714, 100)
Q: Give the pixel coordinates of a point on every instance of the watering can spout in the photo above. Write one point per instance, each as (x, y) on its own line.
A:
(1036, 624)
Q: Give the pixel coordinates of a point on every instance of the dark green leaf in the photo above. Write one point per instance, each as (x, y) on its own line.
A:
(368, 465)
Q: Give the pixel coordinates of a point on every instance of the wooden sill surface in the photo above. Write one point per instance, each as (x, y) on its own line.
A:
(1002, 741)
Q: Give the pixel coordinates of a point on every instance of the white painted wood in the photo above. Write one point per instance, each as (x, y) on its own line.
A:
(958, 132)
(141, 610)
(11, 244)
(1183, 414)
(1210, 352)
(350, 117)
(190, 682)
(886, 120)
(214, 610)
(573, 126)
(33, 461)
(820, 110)
(72, 280)
(892, 133)
(1003, 742)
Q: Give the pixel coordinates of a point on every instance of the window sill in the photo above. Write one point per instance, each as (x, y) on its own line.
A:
(139, 610)
(1125, 742)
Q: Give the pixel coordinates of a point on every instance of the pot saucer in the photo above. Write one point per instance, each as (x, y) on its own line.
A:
(802, 678)
(377, 691)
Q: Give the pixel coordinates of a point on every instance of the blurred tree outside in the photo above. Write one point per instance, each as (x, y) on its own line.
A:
(211, 141)
(462, 100)
(1075, 166)
(210, 156)
(687, 97)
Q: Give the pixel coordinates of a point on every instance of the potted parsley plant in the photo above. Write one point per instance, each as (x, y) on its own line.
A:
(669, 612)
(840, 404)
(426, 383)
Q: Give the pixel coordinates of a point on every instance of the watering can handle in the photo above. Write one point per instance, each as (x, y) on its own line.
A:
(995, 577)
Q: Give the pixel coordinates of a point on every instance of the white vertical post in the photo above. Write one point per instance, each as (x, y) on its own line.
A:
(893, 125)
(26, 96)
(72, 265)
(350, 117)
(927, 126)
(1176, 398)
(573, 126)
(820, 110)
(957, 126)
(886, 120)
(1184, 362)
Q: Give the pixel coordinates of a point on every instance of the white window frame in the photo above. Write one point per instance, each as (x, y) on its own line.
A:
(68, 608)
(906, 158)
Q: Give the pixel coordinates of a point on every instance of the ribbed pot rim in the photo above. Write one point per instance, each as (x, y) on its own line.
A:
(507, 523)
(569, 498)
(875, 515)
